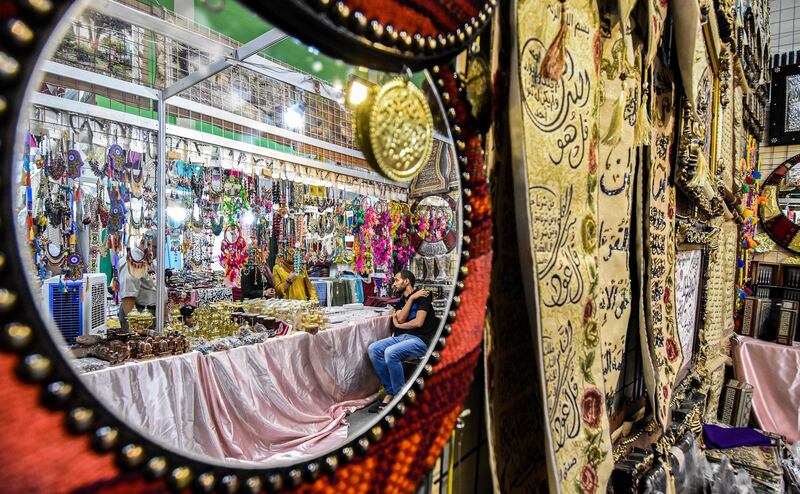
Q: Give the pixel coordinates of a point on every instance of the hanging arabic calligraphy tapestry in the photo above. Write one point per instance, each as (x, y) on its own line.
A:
(558, 50)
(718, 310)
(618, 95)
(660, 336)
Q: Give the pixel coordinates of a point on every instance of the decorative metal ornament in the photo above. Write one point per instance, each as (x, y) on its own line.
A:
(74, 163)
(397, 138)
(478, 88)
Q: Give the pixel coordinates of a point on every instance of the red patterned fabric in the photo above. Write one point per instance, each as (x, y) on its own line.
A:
(427, 17)
(38, 456)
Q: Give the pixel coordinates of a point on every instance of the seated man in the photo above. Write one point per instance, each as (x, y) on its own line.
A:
(414, 324)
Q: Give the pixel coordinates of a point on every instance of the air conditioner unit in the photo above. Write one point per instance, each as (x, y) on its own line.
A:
(77, 307)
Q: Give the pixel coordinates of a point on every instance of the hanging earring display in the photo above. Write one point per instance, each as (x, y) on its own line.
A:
(75, 267)
(394, 129)
(74, 164)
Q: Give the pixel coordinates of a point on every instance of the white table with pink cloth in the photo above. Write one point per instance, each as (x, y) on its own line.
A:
(278, 401)
(774, 372)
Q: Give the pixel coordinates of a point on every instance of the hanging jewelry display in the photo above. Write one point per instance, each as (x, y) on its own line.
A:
(55, 166)
(215, 224)
(136, 222)
(136, 174)
(215, 185)
(74, 163)
(74, 268)
(54, 252)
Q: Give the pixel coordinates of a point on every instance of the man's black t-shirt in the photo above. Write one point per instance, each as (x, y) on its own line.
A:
(429, 326)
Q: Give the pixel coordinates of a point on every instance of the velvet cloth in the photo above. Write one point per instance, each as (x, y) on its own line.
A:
(717, 437)
(281, 400)
(774, 372)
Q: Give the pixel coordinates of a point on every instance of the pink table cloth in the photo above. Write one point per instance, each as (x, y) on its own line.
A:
(774, 372)
(275, 402)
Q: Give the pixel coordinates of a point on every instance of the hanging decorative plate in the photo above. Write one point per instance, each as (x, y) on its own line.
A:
(74, 163)
(75, 267)
(394, 128)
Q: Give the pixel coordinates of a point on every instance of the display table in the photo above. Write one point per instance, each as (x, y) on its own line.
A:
(774, 372)
(280, 400)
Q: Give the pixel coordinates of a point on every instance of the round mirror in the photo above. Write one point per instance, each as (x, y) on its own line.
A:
(788, 195)
(209, 246)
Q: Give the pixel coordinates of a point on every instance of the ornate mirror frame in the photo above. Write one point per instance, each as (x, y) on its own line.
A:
(777, 225)
(34, 29)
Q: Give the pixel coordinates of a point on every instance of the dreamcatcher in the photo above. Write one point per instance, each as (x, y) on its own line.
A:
(234, 255)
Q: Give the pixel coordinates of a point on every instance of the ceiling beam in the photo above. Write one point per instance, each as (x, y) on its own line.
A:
(247, 50)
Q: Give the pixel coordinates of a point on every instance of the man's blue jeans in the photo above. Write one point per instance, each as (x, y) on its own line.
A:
(387, 356)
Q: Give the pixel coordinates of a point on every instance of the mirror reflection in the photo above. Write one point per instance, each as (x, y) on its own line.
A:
(789, 194)
(212, 251)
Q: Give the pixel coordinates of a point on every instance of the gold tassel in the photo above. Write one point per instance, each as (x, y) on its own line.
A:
(553, 63)
(614, 134)
(643, 126)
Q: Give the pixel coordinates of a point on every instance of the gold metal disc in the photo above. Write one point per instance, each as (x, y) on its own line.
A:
(400, 130)
(478, 86)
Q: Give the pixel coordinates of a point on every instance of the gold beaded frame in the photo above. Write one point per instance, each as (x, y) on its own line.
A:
(335, 27)
(23, 331)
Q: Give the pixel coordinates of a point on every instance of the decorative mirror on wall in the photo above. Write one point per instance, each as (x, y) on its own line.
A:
(211, 290)
(779, 211)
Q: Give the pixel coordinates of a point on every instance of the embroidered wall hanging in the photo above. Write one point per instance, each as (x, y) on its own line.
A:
(660, 336)
(618, 96)
(717, 312)
(558, 56)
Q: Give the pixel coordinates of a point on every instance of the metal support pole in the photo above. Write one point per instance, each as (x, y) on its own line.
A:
(161, 213)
